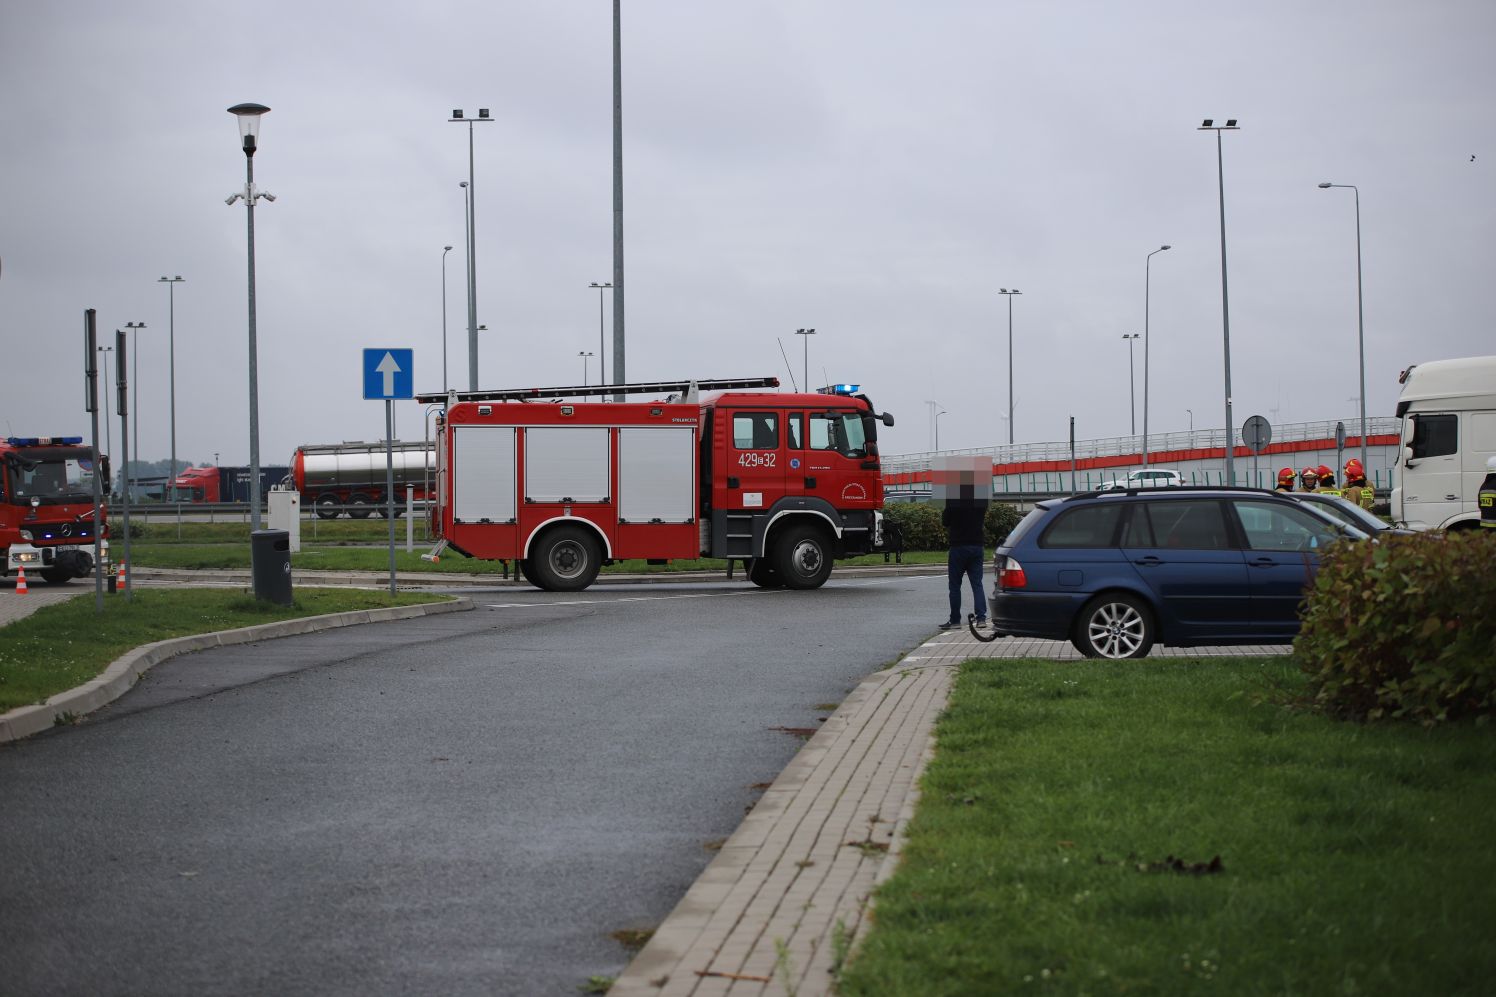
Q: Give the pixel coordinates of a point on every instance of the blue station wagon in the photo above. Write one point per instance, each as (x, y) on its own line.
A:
(1117, 572)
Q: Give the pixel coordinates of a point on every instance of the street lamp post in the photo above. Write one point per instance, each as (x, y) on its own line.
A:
(602, 352)
(249, 134)
(108, 435)
(1191, 414)
(584, 354)
(171, 338)
(472, 247)
(1209, 125)
(1132, 398)
(1360, 314)
(619, 369)
(1147, 339)
(937, 429)
(445, 251)
(1009, 294)
(136, 328)
(805, 373)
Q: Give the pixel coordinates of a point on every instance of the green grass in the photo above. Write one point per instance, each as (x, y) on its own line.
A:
(64, 645)
(1356, 859)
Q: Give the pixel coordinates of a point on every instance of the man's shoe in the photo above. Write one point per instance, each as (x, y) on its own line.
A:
(950, 624)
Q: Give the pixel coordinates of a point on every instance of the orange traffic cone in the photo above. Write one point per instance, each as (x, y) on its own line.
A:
(21, 582)
(122, 574)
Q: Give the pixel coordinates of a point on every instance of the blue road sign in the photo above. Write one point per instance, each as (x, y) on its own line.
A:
(387, 374)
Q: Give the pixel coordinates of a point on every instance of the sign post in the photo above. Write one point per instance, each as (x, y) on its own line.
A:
(1256, 433)
(388, 376)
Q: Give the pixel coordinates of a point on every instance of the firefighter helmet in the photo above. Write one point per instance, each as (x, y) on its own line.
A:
(1285, 475)
(1324, 471)
(1309, 472)
(1353, 469)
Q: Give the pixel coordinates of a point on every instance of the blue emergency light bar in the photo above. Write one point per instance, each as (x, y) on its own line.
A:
(44, 441)
(839, 389)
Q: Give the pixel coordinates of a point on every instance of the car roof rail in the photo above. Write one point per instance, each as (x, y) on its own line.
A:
(1175, 489)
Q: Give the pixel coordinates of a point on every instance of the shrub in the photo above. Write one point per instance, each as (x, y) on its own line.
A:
(1403, 628)
(920, 523)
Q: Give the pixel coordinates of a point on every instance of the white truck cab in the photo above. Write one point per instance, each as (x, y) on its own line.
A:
(1448, 413)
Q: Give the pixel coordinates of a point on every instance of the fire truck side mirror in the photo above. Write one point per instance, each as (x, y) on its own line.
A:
(887, 419)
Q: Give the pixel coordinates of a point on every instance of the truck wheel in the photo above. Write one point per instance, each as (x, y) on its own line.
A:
(802, 556)
(564, 559)
(52, 576)
(765, 575)
(327, 506)
(360, 505)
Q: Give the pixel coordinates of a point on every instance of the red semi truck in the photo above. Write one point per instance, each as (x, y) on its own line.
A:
(46, 507)
(785, 483)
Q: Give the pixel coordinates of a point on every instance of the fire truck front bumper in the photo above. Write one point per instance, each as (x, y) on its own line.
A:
(76, 561)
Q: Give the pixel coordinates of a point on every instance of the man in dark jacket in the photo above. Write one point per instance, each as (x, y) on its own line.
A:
(964, 518)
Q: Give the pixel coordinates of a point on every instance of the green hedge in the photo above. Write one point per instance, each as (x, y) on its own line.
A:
(1404, 628)
(920, 523)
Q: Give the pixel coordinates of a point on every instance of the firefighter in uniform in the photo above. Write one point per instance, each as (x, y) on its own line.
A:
(1285, 480)
(1487, 499)
(1327, 481)
(1357, 489)
(1308, 478)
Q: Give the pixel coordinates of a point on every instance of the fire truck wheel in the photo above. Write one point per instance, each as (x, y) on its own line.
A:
(54, 577)
(360, 506)
(803, 557)
(765, 575)
(327, 506)
(565, 559)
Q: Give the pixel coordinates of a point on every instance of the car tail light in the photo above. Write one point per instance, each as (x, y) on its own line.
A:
(1010, 575)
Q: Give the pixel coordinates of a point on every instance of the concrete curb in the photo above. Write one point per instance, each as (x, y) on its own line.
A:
(124, 671)
(418, 580)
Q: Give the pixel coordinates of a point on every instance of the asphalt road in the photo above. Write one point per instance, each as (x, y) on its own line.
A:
(469, 803)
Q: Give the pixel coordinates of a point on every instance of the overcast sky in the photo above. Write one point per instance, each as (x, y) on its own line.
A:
(874, 170)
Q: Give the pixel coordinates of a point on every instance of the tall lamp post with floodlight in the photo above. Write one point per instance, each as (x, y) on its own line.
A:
(171, 338)
(1209, 125)
(1132, 399)
(805, 373)
(472, 247)
(584, 354)
(601, 351)
(1147, 339)
(108, 435)
(136, 328)
(1009, 294)
(445, 251)
(1360, 313)
(249, 135)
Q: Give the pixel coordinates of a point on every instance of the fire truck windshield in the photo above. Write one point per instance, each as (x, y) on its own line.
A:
(51, 479)
(839, 431)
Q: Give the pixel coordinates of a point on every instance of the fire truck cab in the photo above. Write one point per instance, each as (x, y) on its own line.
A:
(46, 506)
(785, 483)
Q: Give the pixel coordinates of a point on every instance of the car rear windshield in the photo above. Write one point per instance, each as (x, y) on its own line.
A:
(1024, 525)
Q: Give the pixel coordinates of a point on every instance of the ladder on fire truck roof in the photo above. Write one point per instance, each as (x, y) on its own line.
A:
(684, 388)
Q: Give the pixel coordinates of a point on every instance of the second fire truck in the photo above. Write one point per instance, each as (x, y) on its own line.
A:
(46, 507)
(784, 482)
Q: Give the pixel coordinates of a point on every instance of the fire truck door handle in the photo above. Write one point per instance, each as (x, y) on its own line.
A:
(732, 482)
(810, 482)
(869, 465)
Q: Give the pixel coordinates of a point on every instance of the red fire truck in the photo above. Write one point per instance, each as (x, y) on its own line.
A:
(46, 506)
(785, 483)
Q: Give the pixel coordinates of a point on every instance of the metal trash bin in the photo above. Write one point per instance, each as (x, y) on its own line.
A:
(270, 565)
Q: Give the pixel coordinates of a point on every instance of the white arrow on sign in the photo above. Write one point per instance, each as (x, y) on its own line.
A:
(389, 368)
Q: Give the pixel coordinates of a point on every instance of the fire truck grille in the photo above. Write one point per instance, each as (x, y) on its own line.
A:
(60, 532)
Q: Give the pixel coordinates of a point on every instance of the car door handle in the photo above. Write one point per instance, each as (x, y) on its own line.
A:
(1149, 561)
(1262, 562)
(1451, 498)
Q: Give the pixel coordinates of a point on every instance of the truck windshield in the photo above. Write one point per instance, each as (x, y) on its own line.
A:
(51, 479)
(839, 431)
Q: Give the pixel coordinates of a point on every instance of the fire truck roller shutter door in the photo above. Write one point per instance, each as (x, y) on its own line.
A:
(483, 474)
(656, 474)
(567, 464)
